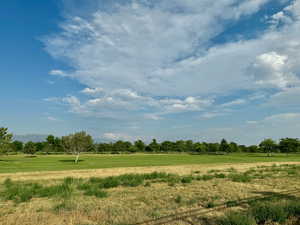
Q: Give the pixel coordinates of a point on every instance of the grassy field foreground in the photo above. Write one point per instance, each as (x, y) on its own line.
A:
(22, 163)
(198, 198)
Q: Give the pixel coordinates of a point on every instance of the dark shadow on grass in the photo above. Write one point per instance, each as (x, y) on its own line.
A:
(271, 196)
(264, 156)
(7, 160)
(70, 160)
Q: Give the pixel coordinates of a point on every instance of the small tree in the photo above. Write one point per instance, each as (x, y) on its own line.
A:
(5, 140)
(76, 143)
(30, 148)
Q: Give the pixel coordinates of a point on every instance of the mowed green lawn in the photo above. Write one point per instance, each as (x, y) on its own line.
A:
(22, 163)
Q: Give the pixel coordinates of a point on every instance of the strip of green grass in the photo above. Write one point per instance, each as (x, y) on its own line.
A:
(21, 163)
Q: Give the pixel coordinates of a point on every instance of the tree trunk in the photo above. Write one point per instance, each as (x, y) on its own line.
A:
(77, 157)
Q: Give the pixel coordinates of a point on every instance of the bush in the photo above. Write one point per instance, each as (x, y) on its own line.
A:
(178, 199)
(263, 212)
(97, 192)
(240, 178)
(187, 179)
(20, 192)
(210, 205)
(206, 177)
(292, 208)
(232, 203)
(220, 175)
(63, 190)
(235, 218)
(109, 182)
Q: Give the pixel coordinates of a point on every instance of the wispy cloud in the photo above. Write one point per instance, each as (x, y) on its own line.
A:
(153, 59)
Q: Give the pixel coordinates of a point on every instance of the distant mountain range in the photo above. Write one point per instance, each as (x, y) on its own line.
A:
(31, 137)
(42, 137)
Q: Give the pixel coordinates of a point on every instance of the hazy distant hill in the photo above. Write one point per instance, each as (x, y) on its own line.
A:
(30, 137)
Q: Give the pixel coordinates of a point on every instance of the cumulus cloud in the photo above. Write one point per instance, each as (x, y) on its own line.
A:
(92, 91)
(153, 58)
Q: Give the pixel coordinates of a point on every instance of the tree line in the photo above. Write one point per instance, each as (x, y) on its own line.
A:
(83, 142)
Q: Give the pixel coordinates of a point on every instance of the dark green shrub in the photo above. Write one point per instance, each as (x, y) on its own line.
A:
(235, 218)
(20, 192)
(178, 199)
(97, 192)
(240, 177)
(292, 208)
(232, 203)
(147, 184)
(187, 179)
(110, 182)
(207, 177)
(156, 175)
(131, 180)
(263, 212)
(220, 175)
(210, 205)
(63, 190)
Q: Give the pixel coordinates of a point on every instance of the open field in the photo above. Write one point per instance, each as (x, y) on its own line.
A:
(21, 163)
(129, 189)
(193, 198)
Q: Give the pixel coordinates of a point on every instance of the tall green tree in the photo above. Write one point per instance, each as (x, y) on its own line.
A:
(200, 147)
(153, 146)
(189, 146)
(234, 147)
(122, 146)
(17, 146)
(140, 145)
(289, 145)
(252, 149)
(5, 140)
(167, 146)
(224, 146)
(104, 147)
(268, 146)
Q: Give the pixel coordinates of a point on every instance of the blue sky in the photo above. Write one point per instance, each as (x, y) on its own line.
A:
(146, 69)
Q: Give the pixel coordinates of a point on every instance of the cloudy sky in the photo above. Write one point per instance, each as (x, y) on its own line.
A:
(165, 69)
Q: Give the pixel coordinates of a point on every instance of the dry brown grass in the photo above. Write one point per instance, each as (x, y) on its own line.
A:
(130, 205)
(181, 170)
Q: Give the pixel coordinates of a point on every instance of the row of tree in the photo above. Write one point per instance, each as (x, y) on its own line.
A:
(83, 142)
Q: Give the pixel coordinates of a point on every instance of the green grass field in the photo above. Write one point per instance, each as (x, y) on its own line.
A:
(22, 163)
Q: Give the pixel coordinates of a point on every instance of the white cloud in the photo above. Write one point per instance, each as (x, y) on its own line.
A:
(234, 103)
(92, 91)
(141, 48)
(51, 118)
(271, 69)
(210, 115)
(117, 136)
(58, 73)
(152, 58)
(283, 117)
